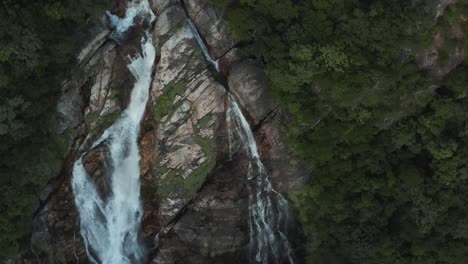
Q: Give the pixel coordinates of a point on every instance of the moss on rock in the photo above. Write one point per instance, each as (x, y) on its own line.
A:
(164, 104)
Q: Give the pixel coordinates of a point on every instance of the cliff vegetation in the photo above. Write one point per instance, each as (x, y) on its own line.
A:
(385, 138)
(37, 42)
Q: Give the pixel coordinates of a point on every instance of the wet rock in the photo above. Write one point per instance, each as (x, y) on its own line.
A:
(97, 164)
(187, 105)
(211, 23)
(56, 236)
(160, 5)
(100, 67)
(189, 188)
(98, 36)
(213, 228)
(249, 83)
(69, 108)
(170, 19)
(285, 169)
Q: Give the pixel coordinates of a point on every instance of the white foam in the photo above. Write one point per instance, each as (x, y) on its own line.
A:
(134, 9)
(268, 209)
(110, 227)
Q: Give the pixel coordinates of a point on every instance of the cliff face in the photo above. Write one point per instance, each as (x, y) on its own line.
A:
(193, 191)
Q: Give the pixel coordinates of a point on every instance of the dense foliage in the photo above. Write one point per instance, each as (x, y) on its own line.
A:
(37, 43)
(386, 144)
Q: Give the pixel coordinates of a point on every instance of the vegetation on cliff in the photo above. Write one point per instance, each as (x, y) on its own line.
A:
(37, 43)
(386, 143)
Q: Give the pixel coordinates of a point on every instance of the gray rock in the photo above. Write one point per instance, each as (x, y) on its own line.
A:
(210, 21)
(159, 5)
(286, 171)
(69, 108)
(249, 83)
(97, 37)
(170, 19)
(200, 98)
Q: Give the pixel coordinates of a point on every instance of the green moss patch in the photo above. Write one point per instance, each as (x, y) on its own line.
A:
(164, 103)
(174, 182)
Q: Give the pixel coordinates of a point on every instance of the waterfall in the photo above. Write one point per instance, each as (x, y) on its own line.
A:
(134, 9)
(110, 227)
(202, 45)
(268, 209)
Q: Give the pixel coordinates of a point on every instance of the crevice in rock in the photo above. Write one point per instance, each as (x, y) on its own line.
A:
(269, 115)
(221, 76)
(55, 182)
(237, 45)
(168, 227)
(94, 53)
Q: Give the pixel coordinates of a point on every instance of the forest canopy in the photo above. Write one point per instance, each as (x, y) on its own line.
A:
(385, 142)
(38, 40)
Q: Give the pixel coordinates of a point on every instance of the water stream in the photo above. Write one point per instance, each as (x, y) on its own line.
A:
(268, 209)
(202, 45)
(110, 226)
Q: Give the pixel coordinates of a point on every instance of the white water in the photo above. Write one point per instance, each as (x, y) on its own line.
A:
(268, 209)
(110, 227)
(134, 9)
(202, 45)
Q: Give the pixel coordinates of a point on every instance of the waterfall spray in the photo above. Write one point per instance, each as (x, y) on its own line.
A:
(110, 227)
(268, 209)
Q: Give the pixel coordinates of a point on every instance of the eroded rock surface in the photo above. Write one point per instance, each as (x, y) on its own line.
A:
(193, 192)
(188, 104)
(210, 21)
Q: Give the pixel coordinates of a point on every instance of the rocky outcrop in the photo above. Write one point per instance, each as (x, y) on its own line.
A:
(194, 194)
(188, 105)
(287, 173)
(248, 82)
(211, 22)
(91, 101)
(441, 5)
(447, 49)
(201, 193)
(213, 228)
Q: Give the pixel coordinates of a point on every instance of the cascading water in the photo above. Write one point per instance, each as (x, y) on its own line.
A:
(110, 226)
(268, 209)
(202, 45)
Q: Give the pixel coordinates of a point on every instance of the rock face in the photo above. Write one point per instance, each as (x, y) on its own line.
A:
(188, 106)
(248, 82)
(211, 23)
(193, 191)
(447, 50)
(207, 207)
